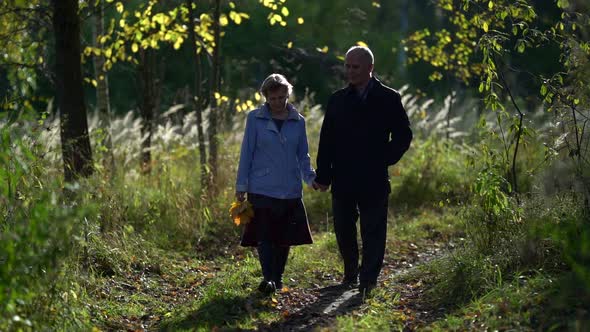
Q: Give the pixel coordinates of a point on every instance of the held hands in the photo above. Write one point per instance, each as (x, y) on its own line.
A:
(240, 196)
(320, 187)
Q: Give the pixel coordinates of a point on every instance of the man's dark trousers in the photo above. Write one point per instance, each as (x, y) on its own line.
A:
(373, 220)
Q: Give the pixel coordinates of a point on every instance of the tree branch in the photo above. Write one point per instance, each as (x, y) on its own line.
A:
(518, 132)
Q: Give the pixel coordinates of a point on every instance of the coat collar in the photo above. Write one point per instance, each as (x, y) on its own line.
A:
(264, 112)
(373, 82)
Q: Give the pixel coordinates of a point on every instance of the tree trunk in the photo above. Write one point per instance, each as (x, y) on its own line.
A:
(213, 116)
(102, 87)
(148, 100)
(76, 150)
(197, 97)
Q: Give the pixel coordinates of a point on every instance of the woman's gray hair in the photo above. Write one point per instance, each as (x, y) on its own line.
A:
(364, 51)
(274, 82)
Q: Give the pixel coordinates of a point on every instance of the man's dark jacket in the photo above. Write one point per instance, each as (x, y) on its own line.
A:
(360, 137)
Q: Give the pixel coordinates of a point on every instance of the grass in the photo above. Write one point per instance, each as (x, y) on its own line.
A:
(224, 288)
(531, 302)
(231, 300)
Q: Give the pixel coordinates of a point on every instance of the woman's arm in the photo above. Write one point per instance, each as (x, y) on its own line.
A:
(307, 171)
(246, 154)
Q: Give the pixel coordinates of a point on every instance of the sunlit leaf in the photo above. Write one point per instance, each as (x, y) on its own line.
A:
(563, 4)
(223, 21)
(178, 43)
(323, 49)
(521, 47)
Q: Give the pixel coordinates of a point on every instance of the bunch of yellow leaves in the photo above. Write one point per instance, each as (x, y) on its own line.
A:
(241, 212)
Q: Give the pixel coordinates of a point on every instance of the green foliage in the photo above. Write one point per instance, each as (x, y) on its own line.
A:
(38, 231)
(22, 26)
(432, 173)
(434, 170)
(491, 189)
(482, 23)
(492, 34)
(149, 26)
(498, 255)
(564, 220)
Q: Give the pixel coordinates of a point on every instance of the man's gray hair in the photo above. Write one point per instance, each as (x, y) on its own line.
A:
(274, 82)
(364, 51)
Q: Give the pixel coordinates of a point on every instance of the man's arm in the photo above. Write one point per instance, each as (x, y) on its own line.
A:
(325, 155)
(401, 134)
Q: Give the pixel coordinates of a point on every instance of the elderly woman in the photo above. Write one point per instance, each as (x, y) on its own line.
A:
(274, 160)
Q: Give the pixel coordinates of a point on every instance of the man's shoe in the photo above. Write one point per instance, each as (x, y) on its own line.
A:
(349, 283)
(267, 287)
(365, 288)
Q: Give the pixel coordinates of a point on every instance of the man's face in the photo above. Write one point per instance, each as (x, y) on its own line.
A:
(358, 69)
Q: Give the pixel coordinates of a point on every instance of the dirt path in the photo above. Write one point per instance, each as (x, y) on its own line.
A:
(302, 309)
(317, 308)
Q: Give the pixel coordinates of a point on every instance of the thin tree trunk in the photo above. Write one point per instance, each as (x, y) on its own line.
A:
(147, 84)
(213, 116)
(580, 162)
(76, 150)
(197, 96)
(102, 87)
(451, 102)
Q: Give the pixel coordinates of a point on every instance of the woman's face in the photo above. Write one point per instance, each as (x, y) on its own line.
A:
(277, 99)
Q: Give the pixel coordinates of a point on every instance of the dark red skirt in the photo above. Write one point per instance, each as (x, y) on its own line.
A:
(283, 222)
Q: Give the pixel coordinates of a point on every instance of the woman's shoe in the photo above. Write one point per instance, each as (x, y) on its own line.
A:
(267, 287)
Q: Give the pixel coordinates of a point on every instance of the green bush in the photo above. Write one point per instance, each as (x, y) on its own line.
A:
(565, 222)
(432, 172)
(550, 234)
(39, 229)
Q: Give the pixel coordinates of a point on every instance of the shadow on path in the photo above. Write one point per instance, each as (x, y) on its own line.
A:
(332, 301)
(221, 311)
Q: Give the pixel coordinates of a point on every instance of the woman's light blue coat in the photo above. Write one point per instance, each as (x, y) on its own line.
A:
(272, 162)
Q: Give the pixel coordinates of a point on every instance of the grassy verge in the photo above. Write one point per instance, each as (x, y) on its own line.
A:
(133, 284)
(541, 301)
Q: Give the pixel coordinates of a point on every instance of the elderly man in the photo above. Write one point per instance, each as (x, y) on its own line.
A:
(365, 130)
